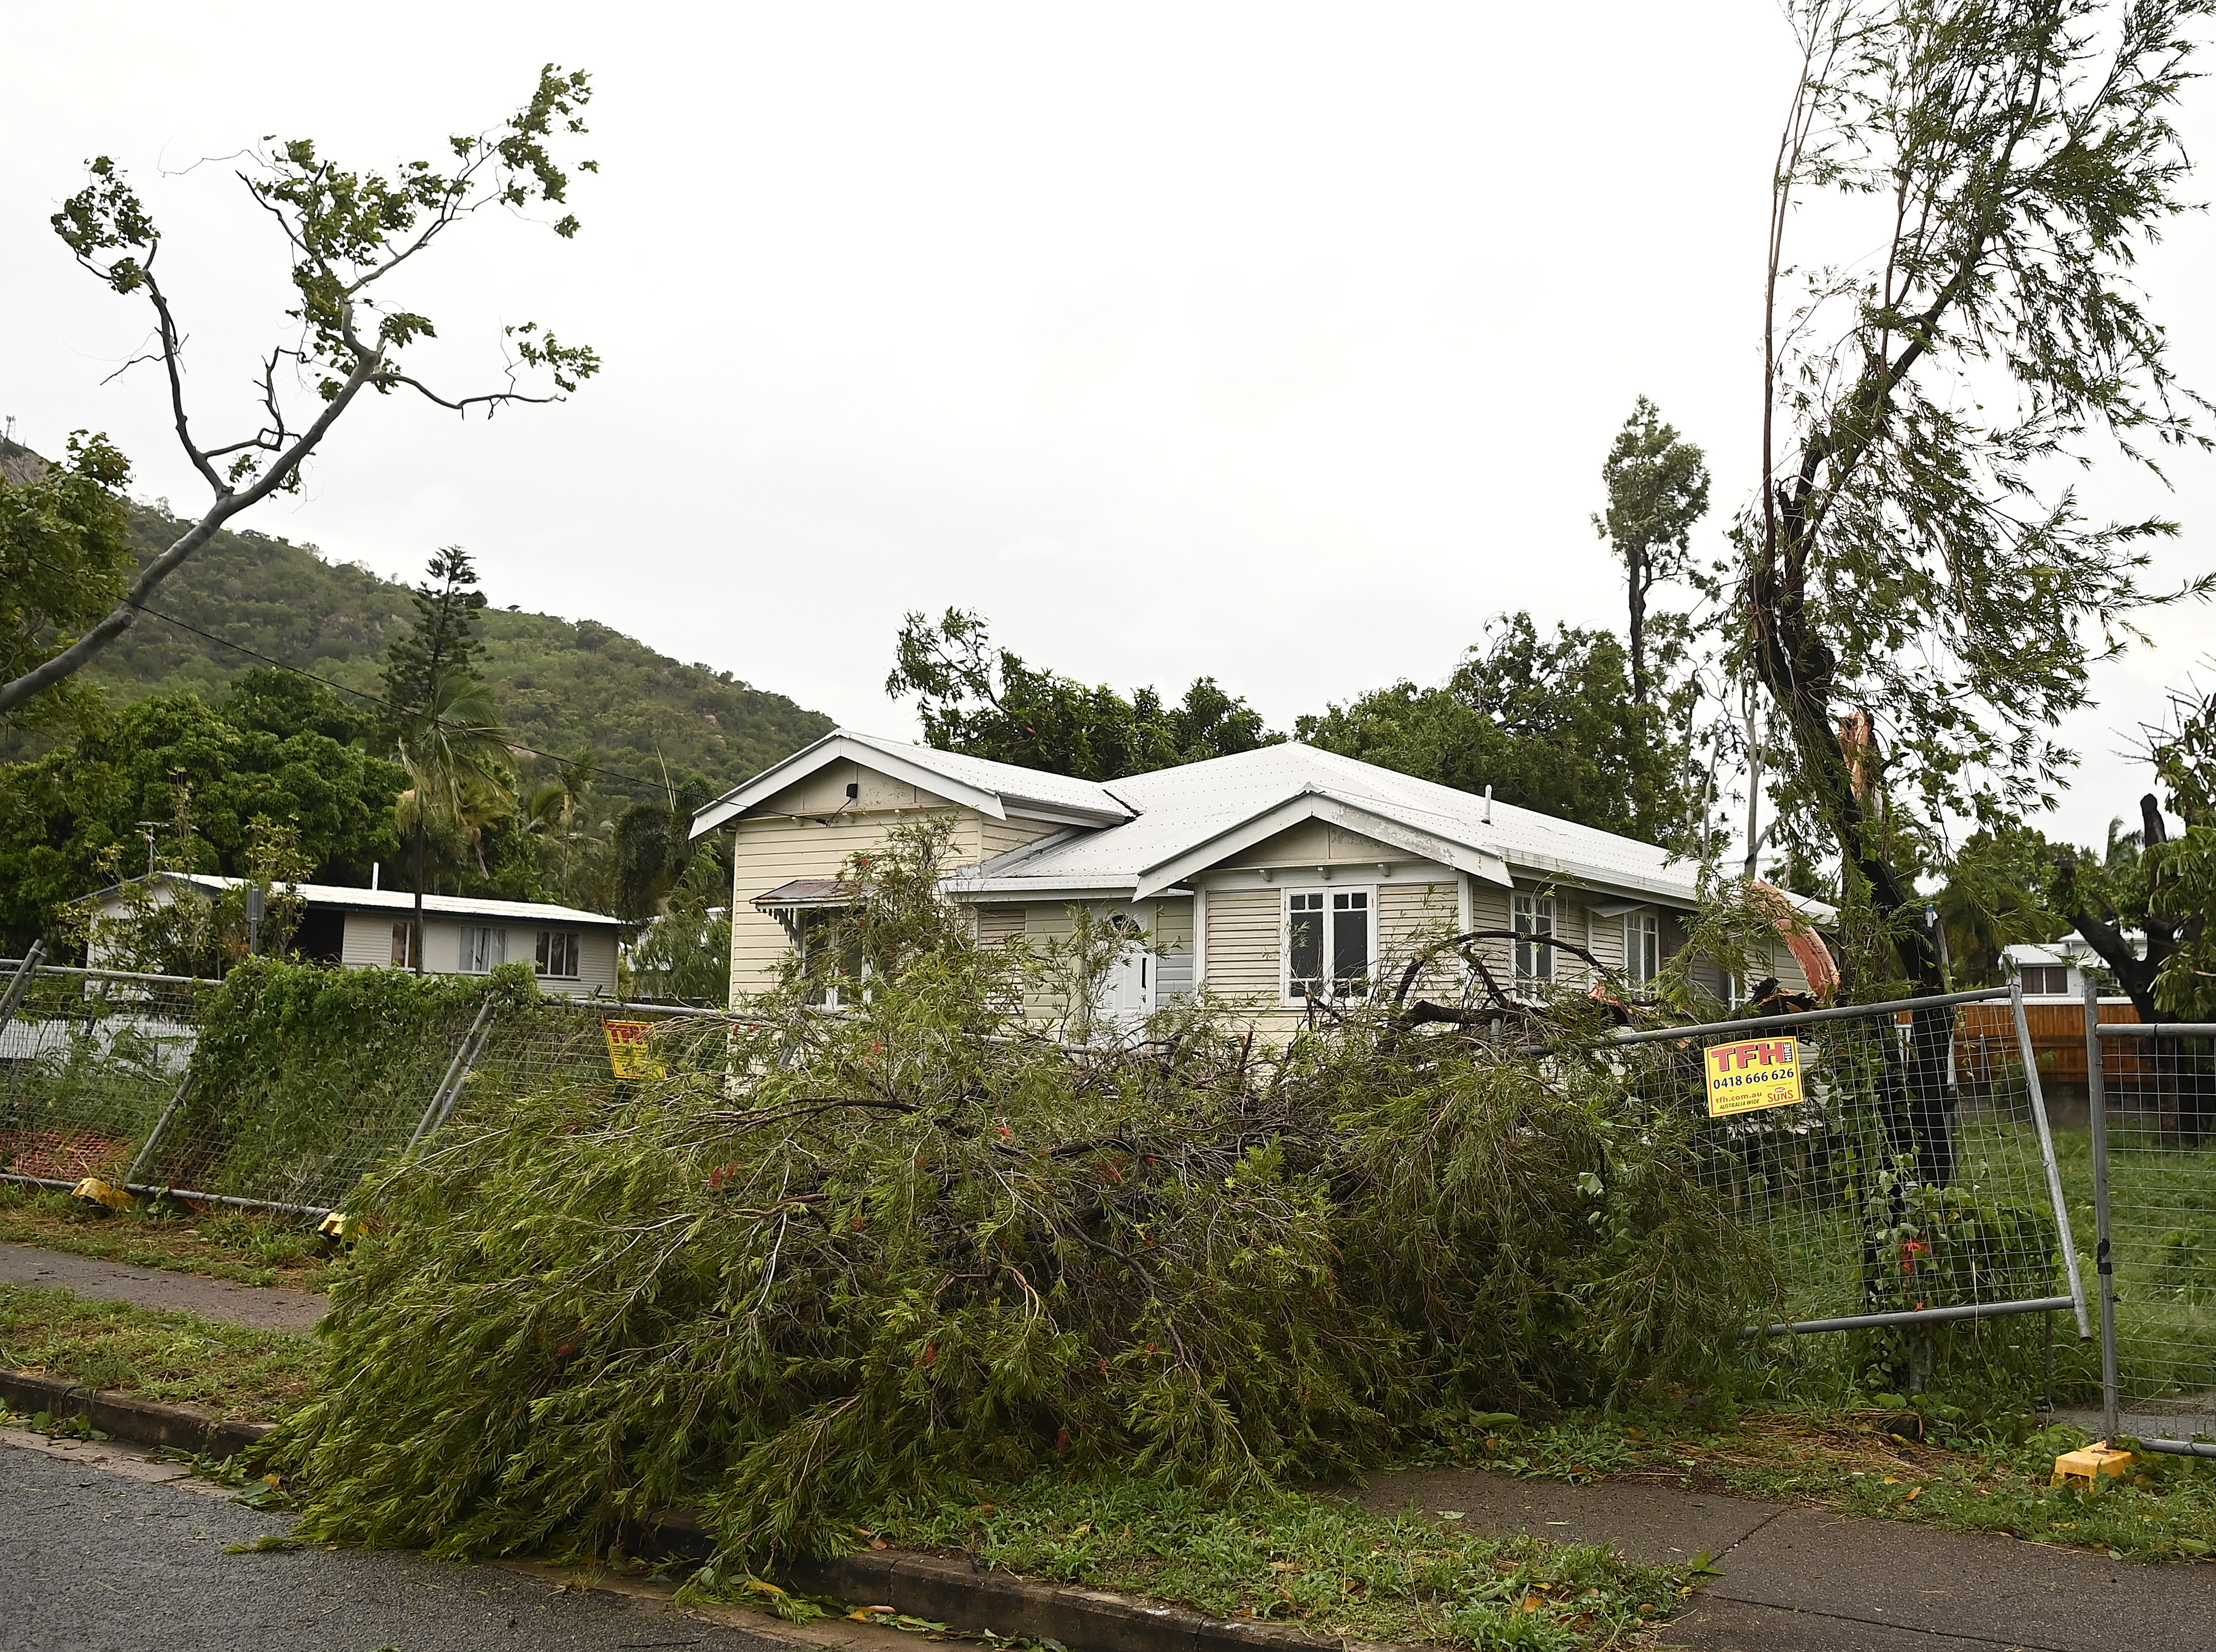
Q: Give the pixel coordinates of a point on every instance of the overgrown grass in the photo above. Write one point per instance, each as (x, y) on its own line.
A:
(158, 1355)
(1330, 1568)
(1984, 1478)
(240, 1245)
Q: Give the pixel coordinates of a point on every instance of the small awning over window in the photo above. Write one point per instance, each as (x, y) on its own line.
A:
(807, 892)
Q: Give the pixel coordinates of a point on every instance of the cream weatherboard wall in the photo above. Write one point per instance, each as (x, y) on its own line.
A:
(812, 828)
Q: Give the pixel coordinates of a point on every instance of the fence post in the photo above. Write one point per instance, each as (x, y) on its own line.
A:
(470, 1055)
(2030, 1059)
(2104, 1263)
(423, 1124)
(33, 956)
(161, 1127)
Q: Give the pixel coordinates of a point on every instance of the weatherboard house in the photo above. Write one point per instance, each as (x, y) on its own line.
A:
(1276, 878)
(574, 951)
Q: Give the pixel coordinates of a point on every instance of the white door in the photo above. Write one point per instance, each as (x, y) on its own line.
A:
(1128, 996)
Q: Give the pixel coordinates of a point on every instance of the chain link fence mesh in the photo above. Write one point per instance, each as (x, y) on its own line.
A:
(1914, 1177)
(89, 1060)
(106, 1076)
(2159, 1164)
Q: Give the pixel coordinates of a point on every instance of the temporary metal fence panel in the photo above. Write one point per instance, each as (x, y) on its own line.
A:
(2152, 1100)
(89, 1059)
(1896, 1159)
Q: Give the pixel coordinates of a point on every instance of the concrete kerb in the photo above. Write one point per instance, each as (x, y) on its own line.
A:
(142, 1422)
(949, 1589)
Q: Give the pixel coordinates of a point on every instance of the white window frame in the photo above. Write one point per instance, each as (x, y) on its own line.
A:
(1533, 963)
(484, 948)
(830, 997)
(1642, 947)
(1286, 996)
(550, 941)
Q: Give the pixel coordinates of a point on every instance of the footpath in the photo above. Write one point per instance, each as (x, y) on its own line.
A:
(1792, 1580)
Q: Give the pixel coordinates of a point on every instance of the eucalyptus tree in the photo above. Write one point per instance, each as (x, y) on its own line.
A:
(1922, 587)
(349, 236)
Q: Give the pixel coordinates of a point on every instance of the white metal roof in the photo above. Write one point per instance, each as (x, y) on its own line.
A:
(1140, 836)
(1193, 816)
(995, 789)
(396, 900)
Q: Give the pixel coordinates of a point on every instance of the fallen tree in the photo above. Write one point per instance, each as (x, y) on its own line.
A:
(868, 1256)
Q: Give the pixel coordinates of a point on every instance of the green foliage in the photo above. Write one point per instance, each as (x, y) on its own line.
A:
(1548, 725)
(65, 553)
(158, 1354)
(171, 926)
(1995, 898)
(1330, 1567)
(684, 955)
(303, 1077)
(68, 820)
(1657, 488)
(853, 1257)
(562, 685)
(988, 703)
(353, 239)
(446, 641)
(1917, 569)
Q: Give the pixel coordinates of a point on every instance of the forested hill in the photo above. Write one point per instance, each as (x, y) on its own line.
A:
(564, 685)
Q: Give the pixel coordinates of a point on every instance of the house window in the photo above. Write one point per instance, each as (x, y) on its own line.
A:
(482, 950)
(557, 953)
(407, 953)
(1642, 947)
(830, 956)
(1327, 942)
(1534, 917)
(2050, 978)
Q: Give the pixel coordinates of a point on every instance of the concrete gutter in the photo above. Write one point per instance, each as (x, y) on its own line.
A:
(942, 1588)
(143, 1422)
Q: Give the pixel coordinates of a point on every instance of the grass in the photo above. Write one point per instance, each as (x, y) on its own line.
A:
(1328, 1567)
(241, 1246)
(177, 1358)
(1852, 1462)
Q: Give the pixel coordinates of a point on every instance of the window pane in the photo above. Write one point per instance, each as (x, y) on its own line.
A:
(1304, 943)
(1350, 943)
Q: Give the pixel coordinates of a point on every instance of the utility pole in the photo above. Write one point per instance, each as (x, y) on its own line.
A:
(146, 830)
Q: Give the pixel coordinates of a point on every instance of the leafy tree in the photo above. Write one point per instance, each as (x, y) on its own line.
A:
(2162, 887)
(1657, 488)
(190, 932)
(987, 702)
(1551, 724)
(64, 554)
(460, 777)
(1922, 590)
(684, 955)
(272, 751)
(447, 640)
(652, 848)
(346, 234)
(1995, 898)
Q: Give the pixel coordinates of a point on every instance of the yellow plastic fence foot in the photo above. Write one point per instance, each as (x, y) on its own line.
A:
(94, 1191)
(2086, 1468)
(338, 1226)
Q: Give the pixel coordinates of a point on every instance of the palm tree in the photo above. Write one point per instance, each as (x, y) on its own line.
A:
(461, 776)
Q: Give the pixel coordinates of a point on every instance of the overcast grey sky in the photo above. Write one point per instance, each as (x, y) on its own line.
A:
(1276, 343)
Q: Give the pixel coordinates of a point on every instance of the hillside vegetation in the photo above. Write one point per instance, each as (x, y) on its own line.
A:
(562, 685)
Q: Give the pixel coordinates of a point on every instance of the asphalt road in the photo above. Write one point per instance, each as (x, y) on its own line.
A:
(96, 1561)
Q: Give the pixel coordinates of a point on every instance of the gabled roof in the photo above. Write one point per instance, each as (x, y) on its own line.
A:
(1193, 817)
(388, 900)
(1136, 838)
(996, 789)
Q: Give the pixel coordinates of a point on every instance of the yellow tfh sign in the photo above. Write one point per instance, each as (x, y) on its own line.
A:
(630, 1055)
(1759, 1073)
